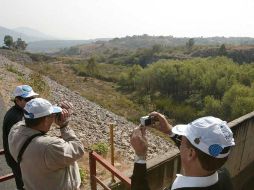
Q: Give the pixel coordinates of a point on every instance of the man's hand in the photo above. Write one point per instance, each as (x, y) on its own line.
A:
(67, 105)
(63, 119)
(164, 126)
(139, 142)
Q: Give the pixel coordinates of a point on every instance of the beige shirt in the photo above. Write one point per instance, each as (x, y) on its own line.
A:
(48, 163)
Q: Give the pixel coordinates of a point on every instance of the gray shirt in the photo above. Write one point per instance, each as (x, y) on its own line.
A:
(48, 163)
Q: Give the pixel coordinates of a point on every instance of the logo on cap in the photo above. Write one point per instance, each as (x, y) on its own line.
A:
(215, 150)
(197, 140)
(26, 88)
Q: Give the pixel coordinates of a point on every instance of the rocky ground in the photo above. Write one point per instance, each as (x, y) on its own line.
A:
(90, 121)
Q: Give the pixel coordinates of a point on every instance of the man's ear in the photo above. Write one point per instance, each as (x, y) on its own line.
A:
(17, 100)
(192, 154)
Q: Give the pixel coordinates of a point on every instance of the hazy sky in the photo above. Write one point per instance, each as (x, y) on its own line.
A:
(86, 19)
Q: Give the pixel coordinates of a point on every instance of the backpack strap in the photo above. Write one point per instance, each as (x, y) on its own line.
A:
(27, 142)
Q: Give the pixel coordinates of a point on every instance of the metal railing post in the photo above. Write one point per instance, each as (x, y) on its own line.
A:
(92, 165)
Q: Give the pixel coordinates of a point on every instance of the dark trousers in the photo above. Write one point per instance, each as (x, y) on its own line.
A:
(18, 177)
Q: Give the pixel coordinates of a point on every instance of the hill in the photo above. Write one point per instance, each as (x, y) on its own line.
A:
(39, 42)
(29, 35)
(34, 33)
(135, 42)
(51, 46)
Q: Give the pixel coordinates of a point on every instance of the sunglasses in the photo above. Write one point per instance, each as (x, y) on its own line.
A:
(178, 139)
(28, 99)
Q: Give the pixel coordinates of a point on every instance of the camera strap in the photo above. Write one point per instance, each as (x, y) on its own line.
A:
(23, 148)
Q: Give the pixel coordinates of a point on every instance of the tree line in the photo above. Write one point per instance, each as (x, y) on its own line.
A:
(19, 44)
(183, 89)
(196, 87)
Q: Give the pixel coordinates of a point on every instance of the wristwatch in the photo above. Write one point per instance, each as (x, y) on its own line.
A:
(140, 159)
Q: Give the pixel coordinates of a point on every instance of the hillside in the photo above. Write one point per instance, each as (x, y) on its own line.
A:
(90, 121)
(39, 42)
(131, 43)
(23, 33)
(34, 33)
(51, 46)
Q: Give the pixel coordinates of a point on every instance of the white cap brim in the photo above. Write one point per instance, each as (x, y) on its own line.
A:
(57, 109)
(180, 130)
(29, 95)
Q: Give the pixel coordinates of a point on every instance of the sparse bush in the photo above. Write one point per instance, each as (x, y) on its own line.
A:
(38, 84)
(83, 175)
(12, 69)
(101, 148)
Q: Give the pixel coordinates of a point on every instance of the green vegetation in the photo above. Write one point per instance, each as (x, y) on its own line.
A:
(12, 69)
(187, 89)
(39, 85)
(101, 148)
(8, 41)
(181, 89)
(16, 45)
(146, 49)
(34, 79)
(38, 57)
(83, 175)
(107, 72)
(184, 81)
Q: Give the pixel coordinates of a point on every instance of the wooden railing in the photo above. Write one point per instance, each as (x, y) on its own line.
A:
(93, 157)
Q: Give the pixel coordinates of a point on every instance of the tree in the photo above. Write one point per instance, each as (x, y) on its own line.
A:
(20, 44)
(190, 43)
(8, 41)
(222, 50)
(237, 101)
(92, 67)
(133, 74)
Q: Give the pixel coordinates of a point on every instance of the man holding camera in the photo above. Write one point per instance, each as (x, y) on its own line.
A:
(204, 148)
(22, 95)
(47, 163)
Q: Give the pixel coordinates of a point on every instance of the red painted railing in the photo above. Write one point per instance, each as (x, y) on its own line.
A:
(8, 176)
(93, 157)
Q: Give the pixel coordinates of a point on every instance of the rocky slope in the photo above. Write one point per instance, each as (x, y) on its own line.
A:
(90, 121)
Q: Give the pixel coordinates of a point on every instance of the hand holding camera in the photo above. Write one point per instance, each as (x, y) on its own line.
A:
(149, 121)
(62, 119)
(139, 142)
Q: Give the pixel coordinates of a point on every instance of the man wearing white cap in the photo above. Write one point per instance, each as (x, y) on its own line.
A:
(204, 148)
(22, 95)
(46, 162)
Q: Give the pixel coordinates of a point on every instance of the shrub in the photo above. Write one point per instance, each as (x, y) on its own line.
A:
(38, 84)
(12, 69)
(83, 175)
(101, 148)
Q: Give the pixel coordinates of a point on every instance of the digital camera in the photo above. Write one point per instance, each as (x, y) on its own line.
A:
(58, 116)
(146, 120)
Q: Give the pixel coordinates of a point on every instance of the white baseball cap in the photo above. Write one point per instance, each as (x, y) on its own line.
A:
(39, 107)
(24, 91)
(209, 134)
